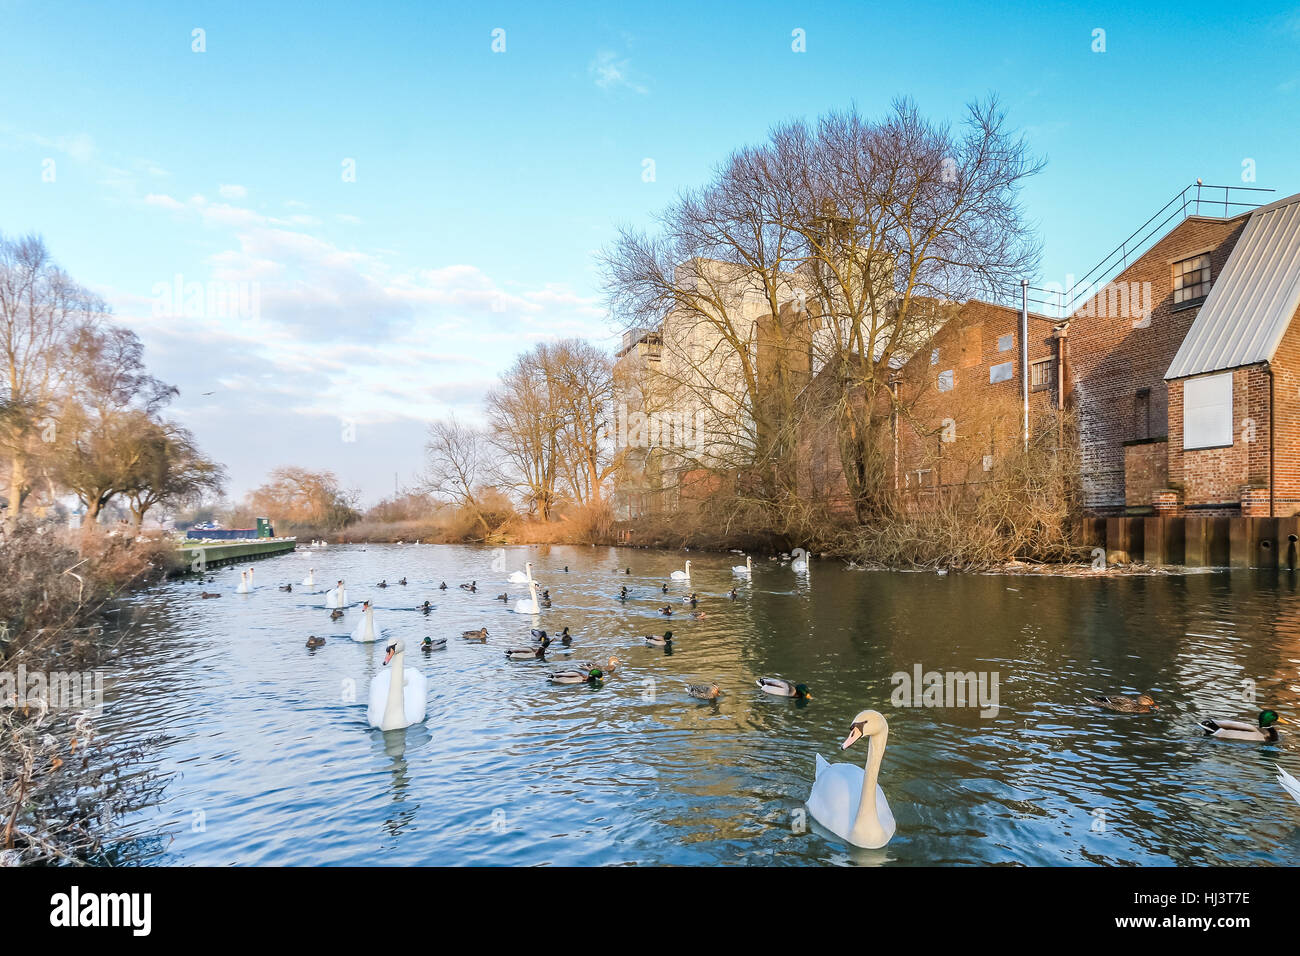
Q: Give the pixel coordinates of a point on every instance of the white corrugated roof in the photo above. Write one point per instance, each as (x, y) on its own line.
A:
(1251, 303)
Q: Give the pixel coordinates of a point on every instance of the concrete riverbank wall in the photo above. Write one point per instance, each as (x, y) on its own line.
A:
(213, 554)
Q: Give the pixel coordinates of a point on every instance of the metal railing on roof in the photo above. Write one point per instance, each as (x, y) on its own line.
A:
(1197, 199)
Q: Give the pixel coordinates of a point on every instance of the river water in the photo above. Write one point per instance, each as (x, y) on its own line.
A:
(271, 760)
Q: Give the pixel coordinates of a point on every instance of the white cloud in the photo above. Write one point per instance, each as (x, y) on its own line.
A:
(231, 191)
(611, 72)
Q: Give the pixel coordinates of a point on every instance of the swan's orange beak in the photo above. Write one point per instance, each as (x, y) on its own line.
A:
(855, 732)
(389, 656)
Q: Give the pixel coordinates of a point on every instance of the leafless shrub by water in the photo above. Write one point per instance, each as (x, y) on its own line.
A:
(1027, 510)
(62, 785)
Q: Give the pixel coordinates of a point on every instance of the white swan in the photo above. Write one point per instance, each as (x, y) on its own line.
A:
(310, 579)
(800, 563)
(397, 702)
(243, 583)
(530, 604)
(522, 577)
(1289, 783)
(848, 801)
(336, 596)
(744, 570)
(366, 632)
(682, 575)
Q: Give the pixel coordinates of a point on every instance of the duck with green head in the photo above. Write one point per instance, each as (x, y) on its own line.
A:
(779, 687)
(1264, 732)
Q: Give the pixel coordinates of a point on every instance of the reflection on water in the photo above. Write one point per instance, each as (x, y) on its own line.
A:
(273, 762)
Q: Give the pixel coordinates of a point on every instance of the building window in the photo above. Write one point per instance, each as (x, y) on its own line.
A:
(945, 381)
(1002, 373)
(1192, 280)
(1006, 342)
(1042, 375)
(1207, 411)
(934, 357)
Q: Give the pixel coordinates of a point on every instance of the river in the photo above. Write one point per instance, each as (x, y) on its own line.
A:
(270, 760)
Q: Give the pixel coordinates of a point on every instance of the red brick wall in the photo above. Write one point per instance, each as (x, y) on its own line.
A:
(981, 417)
(1219, 476)
(1212, 479)
(1286, 409)
(1146, 471)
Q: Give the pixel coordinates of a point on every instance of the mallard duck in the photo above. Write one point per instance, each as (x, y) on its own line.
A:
(663, 588)
(1289, 783)
(286, 587)
(433, 644)
(691, 599)
(472, 586)
(479, 635)
(565, 637)
(576, 675)
(698, 615)
(733, 595)
(704, 691)
(528, 653)
(666, 611)
(1141, 704)
(442, 586)
(1226, 729)
(402, 582)
(622, 595)
(783, 688)
(314, 642)
(336, 614)
(382, 584)
(426, 607)
(538, 634)
(503, 597)
(209, 594)
(627, 570)
(664, 641)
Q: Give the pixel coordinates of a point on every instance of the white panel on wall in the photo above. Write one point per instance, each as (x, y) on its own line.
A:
(1207, 411)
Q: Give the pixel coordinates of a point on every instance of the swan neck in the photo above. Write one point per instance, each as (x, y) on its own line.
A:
(395, 709)
(867, 805)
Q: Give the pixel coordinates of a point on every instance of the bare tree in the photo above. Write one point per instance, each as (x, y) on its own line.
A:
(169, 469)
(108, 427)
(525, 420)
(829, 250)
(305, 497)
(910, 215)
(456, 466)
(41, 311)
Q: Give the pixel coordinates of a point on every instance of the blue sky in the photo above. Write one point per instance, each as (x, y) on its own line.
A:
(484, 181)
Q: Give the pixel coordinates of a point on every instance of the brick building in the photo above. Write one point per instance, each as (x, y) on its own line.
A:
(1234, 384)
(1183, 373)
